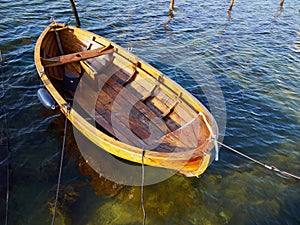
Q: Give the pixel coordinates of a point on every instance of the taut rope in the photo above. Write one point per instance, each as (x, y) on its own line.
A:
(142, 188)
(7, 147)
(61, 165)
(269, 167)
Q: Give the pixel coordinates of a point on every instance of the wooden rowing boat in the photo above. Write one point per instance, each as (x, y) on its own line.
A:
(138, 112)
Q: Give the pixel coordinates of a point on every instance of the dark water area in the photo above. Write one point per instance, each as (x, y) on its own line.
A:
(244, 67)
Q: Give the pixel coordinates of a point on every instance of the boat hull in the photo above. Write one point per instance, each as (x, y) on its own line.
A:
(140, 111)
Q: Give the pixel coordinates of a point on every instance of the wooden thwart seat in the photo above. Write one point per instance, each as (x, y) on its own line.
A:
(77, 56)
(122, 91)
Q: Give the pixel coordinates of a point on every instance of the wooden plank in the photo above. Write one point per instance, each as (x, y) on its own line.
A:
(126, 113)
(154, 80)
(172, 90)
(129, 127)
(159, 102)
(129, 101)
(134, 101)
(121, 76)
(124, 64)
(170, 110)
(141, 91)
(76, 57)
(172, 125)
(101, 116)
(194, 133)
(141, 115)
(174, 122)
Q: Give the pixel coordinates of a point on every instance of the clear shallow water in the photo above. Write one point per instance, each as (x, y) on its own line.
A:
(254, 57)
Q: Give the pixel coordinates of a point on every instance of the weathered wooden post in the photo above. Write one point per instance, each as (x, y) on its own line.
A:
(75, 13)
(171, 8)
(281, 3)
(231, 5)
(171, 5)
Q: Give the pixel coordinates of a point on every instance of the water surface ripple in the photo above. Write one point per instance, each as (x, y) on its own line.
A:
(254, 56)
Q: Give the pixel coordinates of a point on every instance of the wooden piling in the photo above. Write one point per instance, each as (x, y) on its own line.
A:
(231, 5)
(281, 3)
(73, 5)
(171, 8)
(172, 5)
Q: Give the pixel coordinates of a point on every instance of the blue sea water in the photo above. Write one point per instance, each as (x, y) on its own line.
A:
(244, 67)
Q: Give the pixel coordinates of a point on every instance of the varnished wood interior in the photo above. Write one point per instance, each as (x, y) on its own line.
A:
(134, 103)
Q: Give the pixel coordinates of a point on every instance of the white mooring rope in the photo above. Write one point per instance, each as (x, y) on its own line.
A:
(273, 168)
(8, 150)
(61, 165)
(142, 188)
